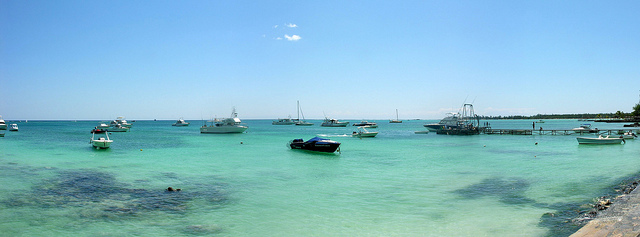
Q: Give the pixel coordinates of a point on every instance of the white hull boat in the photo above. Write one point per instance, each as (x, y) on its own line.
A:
(600, 140)
(226, 125)
(302, 122)
(180, 123)
(395, 120)
(285, 121)
(3, 125)
(13, 127)
(333, 123)
(363, 132)
(101, 142)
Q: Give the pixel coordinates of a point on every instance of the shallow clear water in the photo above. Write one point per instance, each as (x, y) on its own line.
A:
(251, 184)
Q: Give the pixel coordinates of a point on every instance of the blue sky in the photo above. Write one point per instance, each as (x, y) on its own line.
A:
(346, 59)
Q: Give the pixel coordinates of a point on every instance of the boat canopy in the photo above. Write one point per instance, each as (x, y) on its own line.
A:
(317, 139)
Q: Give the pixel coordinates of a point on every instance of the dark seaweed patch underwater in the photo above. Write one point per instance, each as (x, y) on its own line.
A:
(100, 196)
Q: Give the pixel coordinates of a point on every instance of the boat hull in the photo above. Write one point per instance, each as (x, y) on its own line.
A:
(341, 124)
(101, 144)
(180, 124)
(223, 129)
(600, 141)
(317, 145)
(304, 124)
(366, 134)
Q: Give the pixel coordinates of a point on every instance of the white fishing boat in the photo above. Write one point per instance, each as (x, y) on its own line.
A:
(363, 132)
(584, 128)
(329, 122)
(225, 125)
(302, 122)
(180, 123)
(102, 126)
(3, 125)
(101, 142)
(396, 120)
(284, 121)
(600, 140)
(13, 127)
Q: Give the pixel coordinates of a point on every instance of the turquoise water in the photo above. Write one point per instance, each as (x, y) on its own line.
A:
(251, 184)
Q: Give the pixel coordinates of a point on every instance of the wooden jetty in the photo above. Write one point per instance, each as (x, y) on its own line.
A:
(555, 131)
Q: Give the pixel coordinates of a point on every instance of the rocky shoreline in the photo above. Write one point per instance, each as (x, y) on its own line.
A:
(613, 215)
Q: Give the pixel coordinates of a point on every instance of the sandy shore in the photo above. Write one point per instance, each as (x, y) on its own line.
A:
(621, 219)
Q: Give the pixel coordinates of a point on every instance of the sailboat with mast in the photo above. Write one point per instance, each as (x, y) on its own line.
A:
(396, 120)
(302, 122)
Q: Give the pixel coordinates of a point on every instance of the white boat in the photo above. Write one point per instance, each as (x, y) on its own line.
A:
(366, 123)
(600, 140)
(584, 128)
(333, 123)
(101, 142)
(13, 127)
(396, 120)
(302, 122)
(3, 125)
(120, 120)
(117, 128)
(225, 125)
(102, 126)
(180, 123)
(363, 132)
(284, 121)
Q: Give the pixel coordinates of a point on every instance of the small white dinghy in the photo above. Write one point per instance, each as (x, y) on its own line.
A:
(600, 140)
(101, 142)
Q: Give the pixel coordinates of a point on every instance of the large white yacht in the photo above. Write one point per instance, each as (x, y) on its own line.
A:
(3, 125)
(450, 121)
(225, 125)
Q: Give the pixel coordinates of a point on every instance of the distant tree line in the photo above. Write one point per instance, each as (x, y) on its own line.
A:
(617, 115)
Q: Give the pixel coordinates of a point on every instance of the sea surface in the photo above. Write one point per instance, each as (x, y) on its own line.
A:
(54, 183)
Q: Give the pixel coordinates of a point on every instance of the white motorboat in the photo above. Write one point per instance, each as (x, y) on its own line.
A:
(363, 132)
(120, 120)
(366, 123)
(584, 128)
(117, 128)
(284, 121)
(101, 142)
(396, 120)
(302, 122)
(3, 125)
(600, 140)
(333, 123)
(225, 125)
(180, 123)
(13, 127)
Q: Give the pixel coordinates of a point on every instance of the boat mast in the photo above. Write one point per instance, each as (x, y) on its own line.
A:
(298, 111)
(396, 114)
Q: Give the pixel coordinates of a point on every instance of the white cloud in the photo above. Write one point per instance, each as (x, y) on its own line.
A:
(293, 37)
(275, 26)
(278, 38)
(291, 25)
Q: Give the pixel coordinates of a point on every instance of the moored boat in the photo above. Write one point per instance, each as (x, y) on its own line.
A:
(302, 122)
(366, 123)
(117, 128)
(584, 128)
(284, 121)
(180, 123)
(450, 121)
(101, 142)
(315, 144)
(363, 132)
(600, 140)
(3, 125)
(333, 123)
(225, 125)
(395, 120)
(13, 127)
